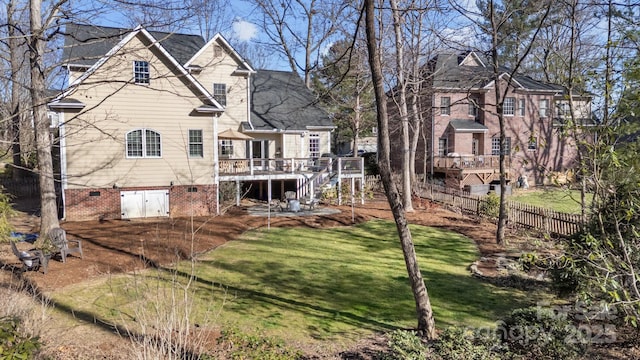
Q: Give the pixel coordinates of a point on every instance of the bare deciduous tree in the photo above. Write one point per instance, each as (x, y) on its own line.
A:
(426, 322)
(298, 30)
(37, 41)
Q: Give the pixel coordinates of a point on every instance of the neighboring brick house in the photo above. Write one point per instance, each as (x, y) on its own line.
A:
(459, 110)
(151, 123)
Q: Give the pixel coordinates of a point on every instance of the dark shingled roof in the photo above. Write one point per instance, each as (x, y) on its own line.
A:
(280, 100)
(448, 73)
(86, 44)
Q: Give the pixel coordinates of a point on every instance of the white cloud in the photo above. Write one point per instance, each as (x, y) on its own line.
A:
(244, 30)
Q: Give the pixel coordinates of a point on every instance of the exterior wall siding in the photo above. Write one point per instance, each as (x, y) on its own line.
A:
(220, 70)
(95, 137)
(104, 203)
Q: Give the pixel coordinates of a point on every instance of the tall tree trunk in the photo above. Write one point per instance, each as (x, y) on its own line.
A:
(402, 108)
(426, 322)
(502, 214)
(15, 92)
(416, 122)
(49, 210)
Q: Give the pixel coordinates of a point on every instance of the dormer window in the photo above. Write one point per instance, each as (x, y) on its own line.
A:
(141, 72)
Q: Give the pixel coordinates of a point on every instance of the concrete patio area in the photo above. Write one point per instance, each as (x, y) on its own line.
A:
(262, 209)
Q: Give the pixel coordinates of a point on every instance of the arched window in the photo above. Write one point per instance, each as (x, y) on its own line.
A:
(143, 143)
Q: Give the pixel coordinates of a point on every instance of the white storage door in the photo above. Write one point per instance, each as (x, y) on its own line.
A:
(141, 204)
(132, 204)
(156, 203)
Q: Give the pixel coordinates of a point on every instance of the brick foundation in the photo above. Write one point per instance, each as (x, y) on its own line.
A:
(104, 203)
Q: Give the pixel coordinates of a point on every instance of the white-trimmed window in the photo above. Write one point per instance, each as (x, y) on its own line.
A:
(220, 93)
(495, 146)
(196, 144)
(226, 148)
(314, 145)
(143, 143)
(141, 74)
(533, 144)
(445, 105)
(443, 146)
(543, 108)
(509, 106)
(521, 107)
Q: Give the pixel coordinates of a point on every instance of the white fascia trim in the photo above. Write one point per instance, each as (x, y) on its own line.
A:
(465, 131)
(155, 43)
(79, 66)
(182, 69)
(208, 110)
(473, 53)
(59, 105)
(218, 37)
(98, 63)
(514, 81)
(321, 127)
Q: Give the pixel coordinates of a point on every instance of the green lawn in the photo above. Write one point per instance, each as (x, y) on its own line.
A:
(312, 284)
(557, 199)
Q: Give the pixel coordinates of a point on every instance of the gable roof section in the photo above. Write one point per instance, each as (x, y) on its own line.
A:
(244, 65)
(281, 101)
(212, 106)
(84, 45)
(451, 70)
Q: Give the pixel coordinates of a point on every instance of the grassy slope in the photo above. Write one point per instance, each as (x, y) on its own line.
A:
(561, 200)
(320, 284)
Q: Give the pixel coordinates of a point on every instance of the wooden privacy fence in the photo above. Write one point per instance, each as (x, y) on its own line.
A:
(528, 216)
(28, 187)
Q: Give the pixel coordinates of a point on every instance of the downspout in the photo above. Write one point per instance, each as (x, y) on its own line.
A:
(433, 135)
(249, 101)
(63, 162)
(216, 164)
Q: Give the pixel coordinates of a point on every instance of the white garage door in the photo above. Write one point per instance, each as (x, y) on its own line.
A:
(141, 204)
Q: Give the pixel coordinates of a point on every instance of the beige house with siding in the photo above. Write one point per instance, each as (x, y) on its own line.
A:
(152, 123)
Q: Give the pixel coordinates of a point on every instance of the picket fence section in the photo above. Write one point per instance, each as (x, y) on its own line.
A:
(525, 215)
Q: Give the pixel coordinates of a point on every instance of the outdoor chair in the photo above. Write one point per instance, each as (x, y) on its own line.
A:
(309, 203)
(290, 195)
(58, 238)
(31, 260)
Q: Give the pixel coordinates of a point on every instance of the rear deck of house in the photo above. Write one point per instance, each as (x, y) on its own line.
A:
(272, 177)
(459, 171)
